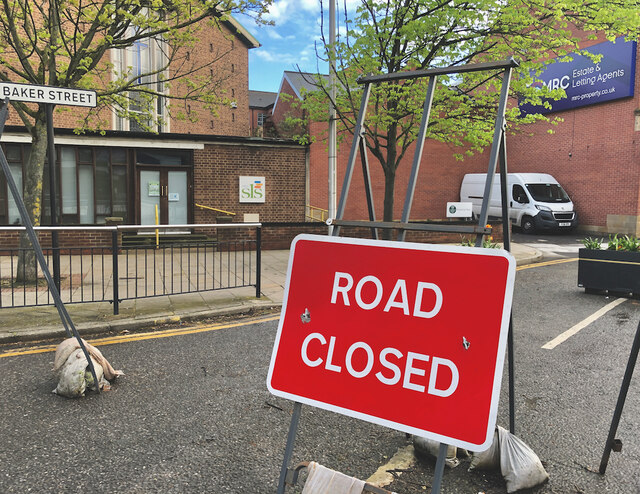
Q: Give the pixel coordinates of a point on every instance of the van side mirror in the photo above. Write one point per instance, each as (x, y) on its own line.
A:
(522, 199)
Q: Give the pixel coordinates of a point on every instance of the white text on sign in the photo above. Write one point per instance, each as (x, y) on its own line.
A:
(398, 298)
(317, 342)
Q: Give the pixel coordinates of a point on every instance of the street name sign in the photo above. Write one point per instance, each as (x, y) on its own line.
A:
(409, 336)
(48, 94)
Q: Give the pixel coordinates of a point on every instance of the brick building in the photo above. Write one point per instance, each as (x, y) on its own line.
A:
(260, 108)
(189, 165)
(594, 151)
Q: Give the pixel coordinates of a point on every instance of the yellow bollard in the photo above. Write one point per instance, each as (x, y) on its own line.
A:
(157, 231)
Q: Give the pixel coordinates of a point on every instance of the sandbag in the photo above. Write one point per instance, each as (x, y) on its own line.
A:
(431, 447)
(68, 346)
(74, 376)
(488, 459)
(72, 369)
(323, 480)
(520, 466)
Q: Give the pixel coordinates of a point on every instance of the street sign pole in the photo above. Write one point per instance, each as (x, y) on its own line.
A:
(51, 151)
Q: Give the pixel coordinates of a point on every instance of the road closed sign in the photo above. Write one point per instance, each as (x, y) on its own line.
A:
(408, 336)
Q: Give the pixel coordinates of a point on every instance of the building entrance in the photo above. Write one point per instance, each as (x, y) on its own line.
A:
(165, 190)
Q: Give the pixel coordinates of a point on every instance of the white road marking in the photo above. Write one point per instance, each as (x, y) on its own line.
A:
(582, 324)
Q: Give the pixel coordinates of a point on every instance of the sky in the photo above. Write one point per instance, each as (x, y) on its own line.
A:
(290, 43)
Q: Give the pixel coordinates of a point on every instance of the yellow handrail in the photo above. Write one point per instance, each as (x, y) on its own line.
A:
(214, 209)
(311, 210)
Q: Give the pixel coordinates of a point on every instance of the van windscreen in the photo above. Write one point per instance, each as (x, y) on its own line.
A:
(548, 193)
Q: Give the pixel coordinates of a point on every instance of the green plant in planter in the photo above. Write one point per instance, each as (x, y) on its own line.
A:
(592, 243)
(626, 243)
(486, 243)
(616, 269)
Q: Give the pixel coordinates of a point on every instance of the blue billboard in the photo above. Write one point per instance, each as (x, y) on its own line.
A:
(586, 82)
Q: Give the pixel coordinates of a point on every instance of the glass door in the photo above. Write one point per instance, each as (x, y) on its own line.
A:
(177, 197)
(150, 192)
(164, 191)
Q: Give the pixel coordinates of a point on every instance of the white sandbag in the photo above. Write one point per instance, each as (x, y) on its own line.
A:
(520, 466)
(74, 376)
(432, 448)
(488, 459)
(68, 346)
(323, 480)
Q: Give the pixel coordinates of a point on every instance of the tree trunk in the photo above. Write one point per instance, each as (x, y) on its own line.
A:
(32, 197)
(389, 179)
(389, 186)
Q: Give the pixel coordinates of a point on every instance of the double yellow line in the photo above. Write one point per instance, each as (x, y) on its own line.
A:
(112, 340)
(546, 263)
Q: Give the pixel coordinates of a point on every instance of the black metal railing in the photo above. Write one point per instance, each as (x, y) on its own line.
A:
(95, 274)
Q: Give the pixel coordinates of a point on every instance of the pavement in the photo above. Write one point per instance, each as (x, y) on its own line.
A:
(30, 324)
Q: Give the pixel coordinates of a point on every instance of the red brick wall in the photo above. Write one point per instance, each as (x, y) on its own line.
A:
(231, 66)
(594, 153)
(76, 239)
(216, 183)
(283, 109)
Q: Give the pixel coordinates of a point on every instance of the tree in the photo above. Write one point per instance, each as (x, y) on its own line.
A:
(385, 36)
(70, 43)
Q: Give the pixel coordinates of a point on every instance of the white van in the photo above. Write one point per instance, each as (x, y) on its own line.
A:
(537, 202)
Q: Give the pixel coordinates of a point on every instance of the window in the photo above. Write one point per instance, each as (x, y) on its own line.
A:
(143, 64)
(101, 175)
(519, 195)
(9, 213)
(261, 118)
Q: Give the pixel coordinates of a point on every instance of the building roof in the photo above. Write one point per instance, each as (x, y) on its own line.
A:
(241, 32)
(261, 99)
(300, 82)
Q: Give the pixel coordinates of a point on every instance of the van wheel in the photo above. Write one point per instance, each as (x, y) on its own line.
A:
(527, 225)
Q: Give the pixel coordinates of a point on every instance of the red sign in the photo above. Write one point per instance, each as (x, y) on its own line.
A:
(409, 336)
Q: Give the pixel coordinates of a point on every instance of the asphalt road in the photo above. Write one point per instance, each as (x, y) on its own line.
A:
(192, 413)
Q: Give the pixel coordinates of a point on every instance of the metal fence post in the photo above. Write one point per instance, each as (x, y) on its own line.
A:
(258, 259)
(114, 275)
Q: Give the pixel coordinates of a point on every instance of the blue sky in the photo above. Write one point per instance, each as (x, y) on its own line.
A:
(289, 43)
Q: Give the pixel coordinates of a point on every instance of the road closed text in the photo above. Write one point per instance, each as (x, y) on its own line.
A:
(393, 367)
(316, 351)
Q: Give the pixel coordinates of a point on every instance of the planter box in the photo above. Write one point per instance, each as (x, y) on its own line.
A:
(610, 270)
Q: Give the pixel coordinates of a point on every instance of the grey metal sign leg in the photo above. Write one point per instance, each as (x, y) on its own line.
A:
(622, 396)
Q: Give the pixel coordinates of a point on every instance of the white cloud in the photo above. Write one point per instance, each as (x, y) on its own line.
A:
(279, 57)
(273, 34)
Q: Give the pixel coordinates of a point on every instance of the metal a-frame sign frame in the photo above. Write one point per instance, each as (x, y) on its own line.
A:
(498, 151)
(69, 327)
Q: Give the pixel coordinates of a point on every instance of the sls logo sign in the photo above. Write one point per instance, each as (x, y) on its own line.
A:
(409, 336)
(252, 189)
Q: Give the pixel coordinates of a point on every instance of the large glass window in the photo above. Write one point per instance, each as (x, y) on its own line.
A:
(69, 184)
(103, 185)
(143, 65)
(85, 178)
(13, 153)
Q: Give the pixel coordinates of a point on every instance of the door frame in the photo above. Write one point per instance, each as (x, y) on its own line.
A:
(164, 186)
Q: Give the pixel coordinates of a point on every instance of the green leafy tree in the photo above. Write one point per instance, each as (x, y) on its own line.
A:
(385, 36)
(69, 43)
